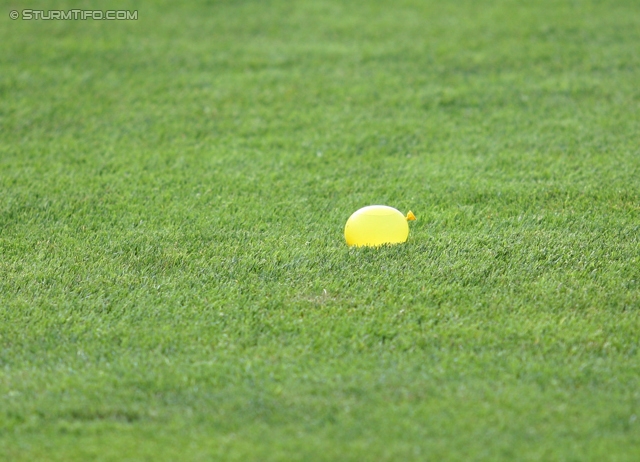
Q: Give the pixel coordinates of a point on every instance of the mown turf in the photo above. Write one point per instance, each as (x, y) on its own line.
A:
(174, 283)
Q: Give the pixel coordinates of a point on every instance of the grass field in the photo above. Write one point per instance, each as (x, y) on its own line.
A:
(174, 282)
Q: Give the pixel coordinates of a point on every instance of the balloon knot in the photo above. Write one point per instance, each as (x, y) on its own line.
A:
(410, 216)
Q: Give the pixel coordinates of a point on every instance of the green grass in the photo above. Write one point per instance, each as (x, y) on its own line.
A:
(174, 282)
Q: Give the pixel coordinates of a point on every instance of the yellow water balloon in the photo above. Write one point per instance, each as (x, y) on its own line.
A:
(377, 225)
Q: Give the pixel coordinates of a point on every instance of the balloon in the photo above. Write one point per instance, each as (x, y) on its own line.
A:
(376, 225)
